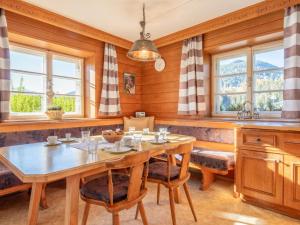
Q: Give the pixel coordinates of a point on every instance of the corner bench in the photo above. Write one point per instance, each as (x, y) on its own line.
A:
(211, 162)
(10, 183)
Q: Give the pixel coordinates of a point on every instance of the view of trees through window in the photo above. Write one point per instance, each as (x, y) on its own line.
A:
(262, 84)
(30, 79)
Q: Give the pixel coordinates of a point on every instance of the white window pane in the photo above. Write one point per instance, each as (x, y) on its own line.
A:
(268, 80)
(66, 67)
(27, 83)
(232, 65)
(232, 84)
(70, 104)
(66, 86)
(271, 59)
(27, 61)
(230, 103)
(269, 101)
(27, 103)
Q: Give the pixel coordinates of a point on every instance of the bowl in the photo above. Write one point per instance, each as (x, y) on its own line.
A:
(112, 136)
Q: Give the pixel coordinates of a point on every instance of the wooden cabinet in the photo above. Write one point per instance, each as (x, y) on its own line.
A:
(292, 181)
(261, 175)
(268, 169)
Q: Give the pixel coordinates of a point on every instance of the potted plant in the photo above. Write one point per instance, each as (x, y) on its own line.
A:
(55, 112)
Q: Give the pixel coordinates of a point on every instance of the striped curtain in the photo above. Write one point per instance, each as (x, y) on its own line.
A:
(191, 87)
(110, 98)
(4, 68)
(291, 92)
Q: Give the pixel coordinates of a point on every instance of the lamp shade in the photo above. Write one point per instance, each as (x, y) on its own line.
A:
(143, 50)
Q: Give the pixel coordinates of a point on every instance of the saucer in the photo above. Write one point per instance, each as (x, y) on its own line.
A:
(122, 149)
(54, 144)
(67, 140)
(159, 142)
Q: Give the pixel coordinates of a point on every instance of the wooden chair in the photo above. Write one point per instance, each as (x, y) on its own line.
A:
(118, 191)
(172, 176)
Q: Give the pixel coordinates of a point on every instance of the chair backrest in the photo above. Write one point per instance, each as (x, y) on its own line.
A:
(137, 165)
(184, 150)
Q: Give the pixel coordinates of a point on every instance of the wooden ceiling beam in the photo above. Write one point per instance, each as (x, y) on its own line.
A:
(43, 15)
(235, 17)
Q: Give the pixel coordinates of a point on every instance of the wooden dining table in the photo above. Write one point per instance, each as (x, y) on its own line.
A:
(40, 164)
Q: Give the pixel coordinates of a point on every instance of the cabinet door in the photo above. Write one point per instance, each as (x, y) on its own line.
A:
(292, 182)
(260, 175)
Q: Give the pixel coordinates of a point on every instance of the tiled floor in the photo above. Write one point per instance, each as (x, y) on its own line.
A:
(214, 207)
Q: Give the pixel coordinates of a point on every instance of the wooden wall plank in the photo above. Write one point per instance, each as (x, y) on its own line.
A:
(257, 10)
(43, 15)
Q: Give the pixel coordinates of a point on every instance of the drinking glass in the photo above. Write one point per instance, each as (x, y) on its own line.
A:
(163, 132)
(85, 136)
(117, 146)
(137, 137)
(93, 146)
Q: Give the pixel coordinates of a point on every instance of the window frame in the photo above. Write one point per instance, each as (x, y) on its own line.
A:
(249, 52)
(48, 76)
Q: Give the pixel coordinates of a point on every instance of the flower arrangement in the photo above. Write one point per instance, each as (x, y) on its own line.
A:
(55, 112)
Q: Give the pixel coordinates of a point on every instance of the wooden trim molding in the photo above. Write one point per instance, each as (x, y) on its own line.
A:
(196, 123)
(43, 15)
(250, 12)
(18, 126)
(214, 146)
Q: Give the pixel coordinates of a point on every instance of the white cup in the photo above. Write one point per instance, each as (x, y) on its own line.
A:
(52, 140)
(68, 136)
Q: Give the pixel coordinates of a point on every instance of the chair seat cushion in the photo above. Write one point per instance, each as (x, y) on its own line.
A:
(158, 170)
(219, 160)
(97, 189)
(7, 178)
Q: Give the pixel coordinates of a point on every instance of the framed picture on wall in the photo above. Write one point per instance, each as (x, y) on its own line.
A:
(129, 83)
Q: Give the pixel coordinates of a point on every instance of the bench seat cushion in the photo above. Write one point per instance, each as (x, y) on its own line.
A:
(7, 178)
(218, 160)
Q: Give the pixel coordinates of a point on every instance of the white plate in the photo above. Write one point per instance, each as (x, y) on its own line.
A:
(159, 142)
(123, 149)
(67, 140)
(57, 143)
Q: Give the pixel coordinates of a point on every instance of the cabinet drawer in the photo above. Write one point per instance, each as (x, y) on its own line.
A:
(290, 143)
(258, 139)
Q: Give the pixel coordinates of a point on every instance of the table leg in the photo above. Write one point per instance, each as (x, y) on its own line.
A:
(34, 204)
(72, 200)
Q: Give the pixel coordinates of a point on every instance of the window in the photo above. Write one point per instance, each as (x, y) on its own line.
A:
(40, 79)
(249, 75)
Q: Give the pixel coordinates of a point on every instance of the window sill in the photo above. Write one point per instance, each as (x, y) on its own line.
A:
(231, 123)
(42, 124)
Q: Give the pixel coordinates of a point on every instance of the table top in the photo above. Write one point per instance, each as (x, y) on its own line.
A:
(40, 163)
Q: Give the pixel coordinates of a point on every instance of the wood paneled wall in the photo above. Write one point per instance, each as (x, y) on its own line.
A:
(160, 89)
(38, 34)
(255, 31)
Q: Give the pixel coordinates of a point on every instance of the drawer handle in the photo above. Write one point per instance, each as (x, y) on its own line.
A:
(258, 139)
